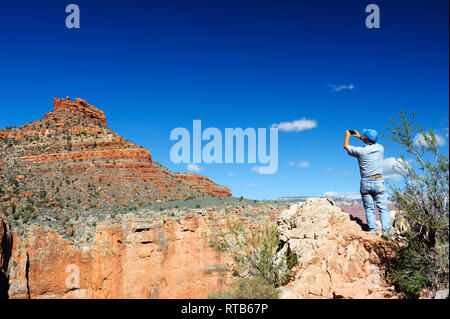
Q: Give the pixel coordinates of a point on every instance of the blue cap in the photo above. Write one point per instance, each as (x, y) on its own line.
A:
(371, 135)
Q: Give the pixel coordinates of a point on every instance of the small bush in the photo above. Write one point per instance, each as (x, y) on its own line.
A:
(409, 273)
(256, 253)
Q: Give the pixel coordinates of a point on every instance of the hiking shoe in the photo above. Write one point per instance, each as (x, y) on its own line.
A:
(385, 235)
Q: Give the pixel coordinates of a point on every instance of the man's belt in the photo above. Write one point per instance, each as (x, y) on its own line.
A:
(376, 176)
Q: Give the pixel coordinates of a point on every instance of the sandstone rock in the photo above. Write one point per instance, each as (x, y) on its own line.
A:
(400, 224)
(441, 294)
(336, 258)
(138, 258)
(79, 107)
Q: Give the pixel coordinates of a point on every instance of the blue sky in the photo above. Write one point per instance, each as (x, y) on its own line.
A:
(152, 66)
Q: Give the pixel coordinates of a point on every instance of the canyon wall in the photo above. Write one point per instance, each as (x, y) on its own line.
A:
(136, 258)
(169, 257)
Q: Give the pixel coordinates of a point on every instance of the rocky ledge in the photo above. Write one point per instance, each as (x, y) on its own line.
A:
(336, 258)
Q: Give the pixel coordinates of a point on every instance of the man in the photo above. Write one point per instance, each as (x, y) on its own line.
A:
(372, 188)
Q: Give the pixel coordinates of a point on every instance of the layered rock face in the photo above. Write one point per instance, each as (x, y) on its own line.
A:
(71, 160)
(336, 258)
(149, 258)
(203, 184)
(133, 257)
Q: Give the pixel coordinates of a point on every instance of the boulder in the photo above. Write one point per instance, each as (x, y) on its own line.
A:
(336, 259)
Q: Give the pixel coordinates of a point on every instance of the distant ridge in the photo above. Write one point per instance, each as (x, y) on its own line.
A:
(340, 201)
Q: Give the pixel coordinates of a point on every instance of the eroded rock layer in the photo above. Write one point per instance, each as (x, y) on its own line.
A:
(131, 257)
(72, 161)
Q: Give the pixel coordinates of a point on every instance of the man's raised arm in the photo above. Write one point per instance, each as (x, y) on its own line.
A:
(347, 138)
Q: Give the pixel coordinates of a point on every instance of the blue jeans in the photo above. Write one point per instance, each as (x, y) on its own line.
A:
(373, 192)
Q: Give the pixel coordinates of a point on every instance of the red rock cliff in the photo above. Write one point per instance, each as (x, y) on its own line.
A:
(79, 107)
(161, 257)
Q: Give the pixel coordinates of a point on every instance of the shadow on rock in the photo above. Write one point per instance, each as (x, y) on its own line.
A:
(359, 221)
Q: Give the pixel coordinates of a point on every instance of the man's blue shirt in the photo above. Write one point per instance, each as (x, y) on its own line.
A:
(370, 158)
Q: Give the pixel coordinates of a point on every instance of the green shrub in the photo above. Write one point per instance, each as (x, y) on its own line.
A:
(30, 209)
(409, 273)
(256, 253)
(424, 199)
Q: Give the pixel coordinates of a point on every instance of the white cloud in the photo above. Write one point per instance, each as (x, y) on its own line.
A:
(351, 195)
(338, 88)
(303, 164)
(230, 174)
(253, 184)
(393, 169)
(420, 140)
(296, 126)
(256, 169)
(194, 168)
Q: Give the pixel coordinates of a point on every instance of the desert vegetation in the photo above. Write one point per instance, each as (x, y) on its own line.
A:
(258, 265)
(423, 198)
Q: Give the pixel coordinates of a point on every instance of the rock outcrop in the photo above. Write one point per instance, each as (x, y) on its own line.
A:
(72, 161)
(336, 258)
(79, 107)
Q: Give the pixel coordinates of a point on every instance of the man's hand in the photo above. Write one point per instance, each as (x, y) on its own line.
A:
(357, 134)
(347, 134)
